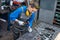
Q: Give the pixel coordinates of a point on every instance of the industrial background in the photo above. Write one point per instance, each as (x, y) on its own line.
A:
(46, 25)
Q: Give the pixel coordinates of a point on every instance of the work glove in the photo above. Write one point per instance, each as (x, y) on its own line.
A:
(29, 29)
(19, 22)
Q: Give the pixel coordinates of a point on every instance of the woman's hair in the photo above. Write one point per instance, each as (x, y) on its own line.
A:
(33, 5)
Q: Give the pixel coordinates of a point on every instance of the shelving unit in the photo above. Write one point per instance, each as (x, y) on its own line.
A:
(57, 14)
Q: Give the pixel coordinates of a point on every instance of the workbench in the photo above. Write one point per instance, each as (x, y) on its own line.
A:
(4, 14)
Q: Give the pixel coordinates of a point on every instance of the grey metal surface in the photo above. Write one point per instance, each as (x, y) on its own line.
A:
(39, 30)
(46, 16)
(42, 25)
(28, 36)
(47, 4)
(47, 10)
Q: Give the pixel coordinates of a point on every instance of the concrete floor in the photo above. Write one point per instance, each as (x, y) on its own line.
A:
(36, 32)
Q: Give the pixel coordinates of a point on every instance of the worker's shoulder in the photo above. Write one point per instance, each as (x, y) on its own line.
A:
(23, 7)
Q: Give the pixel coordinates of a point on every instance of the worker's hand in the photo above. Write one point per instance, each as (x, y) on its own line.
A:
(19, 22)
(29, 29)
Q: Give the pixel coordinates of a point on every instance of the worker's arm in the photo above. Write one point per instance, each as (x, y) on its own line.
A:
(14, 15)
(31, 19)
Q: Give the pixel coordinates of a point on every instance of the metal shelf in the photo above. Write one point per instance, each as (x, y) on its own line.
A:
(57, 19)
(58, 1)
(57, 15)
(58, 4)
(58, 12)
(57, 23)
(58, 8)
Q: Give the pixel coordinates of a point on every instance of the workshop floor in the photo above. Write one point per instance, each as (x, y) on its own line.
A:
(37, 29)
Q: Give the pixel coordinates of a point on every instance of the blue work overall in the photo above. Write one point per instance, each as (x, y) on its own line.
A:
(14, 15)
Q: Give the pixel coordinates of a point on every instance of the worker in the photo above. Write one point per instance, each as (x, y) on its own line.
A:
(29, 14)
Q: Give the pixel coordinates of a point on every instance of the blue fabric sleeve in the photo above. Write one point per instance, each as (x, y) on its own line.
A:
(31, 19)
(17, 12)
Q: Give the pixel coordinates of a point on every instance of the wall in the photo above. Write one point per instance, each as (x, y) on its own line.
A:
(47, 9)
(47, 4)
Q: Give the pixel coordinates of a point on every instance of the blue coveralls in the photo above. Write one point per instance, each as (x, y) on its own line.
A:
(14, 15)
